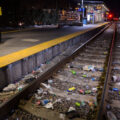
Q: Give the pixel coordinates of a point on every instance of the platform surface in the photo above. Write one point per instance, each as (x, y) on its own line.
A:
(18, 45)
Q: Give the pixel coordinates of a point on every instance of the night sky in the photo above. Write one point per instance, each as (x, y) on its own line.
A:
(112, 4)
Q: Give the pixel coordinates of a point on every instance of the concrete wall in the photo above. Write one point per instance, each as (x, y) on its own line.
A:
(15, 71)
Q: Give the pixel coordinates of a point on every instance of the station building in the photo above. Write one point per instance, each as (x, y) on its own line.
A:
(96, 11)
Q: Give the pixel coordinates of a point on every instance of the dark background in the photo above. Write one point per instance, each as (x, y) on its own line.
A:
(14, 9)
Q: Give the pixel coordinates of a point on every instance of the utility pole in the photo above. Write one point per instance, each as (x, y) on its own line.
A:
(83, 14)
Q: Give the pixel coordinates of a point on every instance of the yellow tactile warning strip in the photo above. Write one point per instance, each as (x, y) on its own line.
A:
(20, 30)
(13, 57)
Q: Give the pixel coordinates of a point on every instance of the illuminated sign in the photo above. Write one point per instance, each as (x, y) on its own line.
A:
(0, 11)
(98, 7)
(107, 13)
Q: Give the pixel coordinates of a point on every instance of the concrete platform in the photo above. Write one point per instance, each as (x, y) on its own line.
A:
(19, 40)
(20, 57)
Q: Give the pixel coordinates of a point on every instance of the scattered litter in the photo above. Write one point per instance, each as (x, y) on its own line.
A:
(105, 53)
(40, 91)
(87, 91)
(71, 109)
(38, 97)
(83, 103)
(44, 102)
(116, 78)
(10, 87)
(108, 107)
(49, 106)
(85, 68)
(73, 72)
(21, 87)
(58, 101)
(68, 99)
(101, 69)
(111, 116)
(95, 103)
(77, 104)
(93, 79)
(38, 102)
(81, 91)
(87, 87)
(91, 104)
(89, 68)
(72, 115)
(84, 76)
(46, 86)
(71, 89)
(50, 81)
(115, 89)
(62, 116)
(94, 90)
(29, 78)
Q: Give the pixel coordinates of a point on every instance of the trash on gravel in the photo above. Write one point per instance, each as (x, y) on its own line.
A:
(93, 79)
(111, 116)
(81, 91)
(21, 87)
(68, 99)
(84, 76)
(73, 72)
(62, 116)
(71, 109)
(85, 68)
(101, 69)
(38, 97)
(77, 104)
(87, 87)
(88, 91)
(72, 114)
(10, 87)
(58, 101)
(83, 103)
(44, 102)
(91, 104)
(46, 86)
(89, 68)
(116, 78)
(71, 89)
(50, 81)
(29, 78)
(49, 105)
(108, 107)
(39, 91)
(38, 102)
(105, 53)
(115, 89)
(95, 103)
(94, 90)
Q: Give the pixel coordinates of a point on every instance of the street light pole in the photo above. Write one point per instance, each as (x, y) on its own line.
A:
(83, 8)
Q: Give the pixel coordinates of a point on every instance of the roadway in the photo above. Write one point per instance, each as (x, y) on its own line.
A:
(16, 41)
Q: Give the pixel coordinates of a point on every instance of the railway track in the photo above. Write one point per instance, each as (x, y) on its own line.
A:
(70, 90)
(110, 105)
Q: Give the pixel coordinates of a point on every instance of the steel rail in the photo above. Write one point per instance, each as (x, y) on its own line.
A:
(12, 103)
(102, 109)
